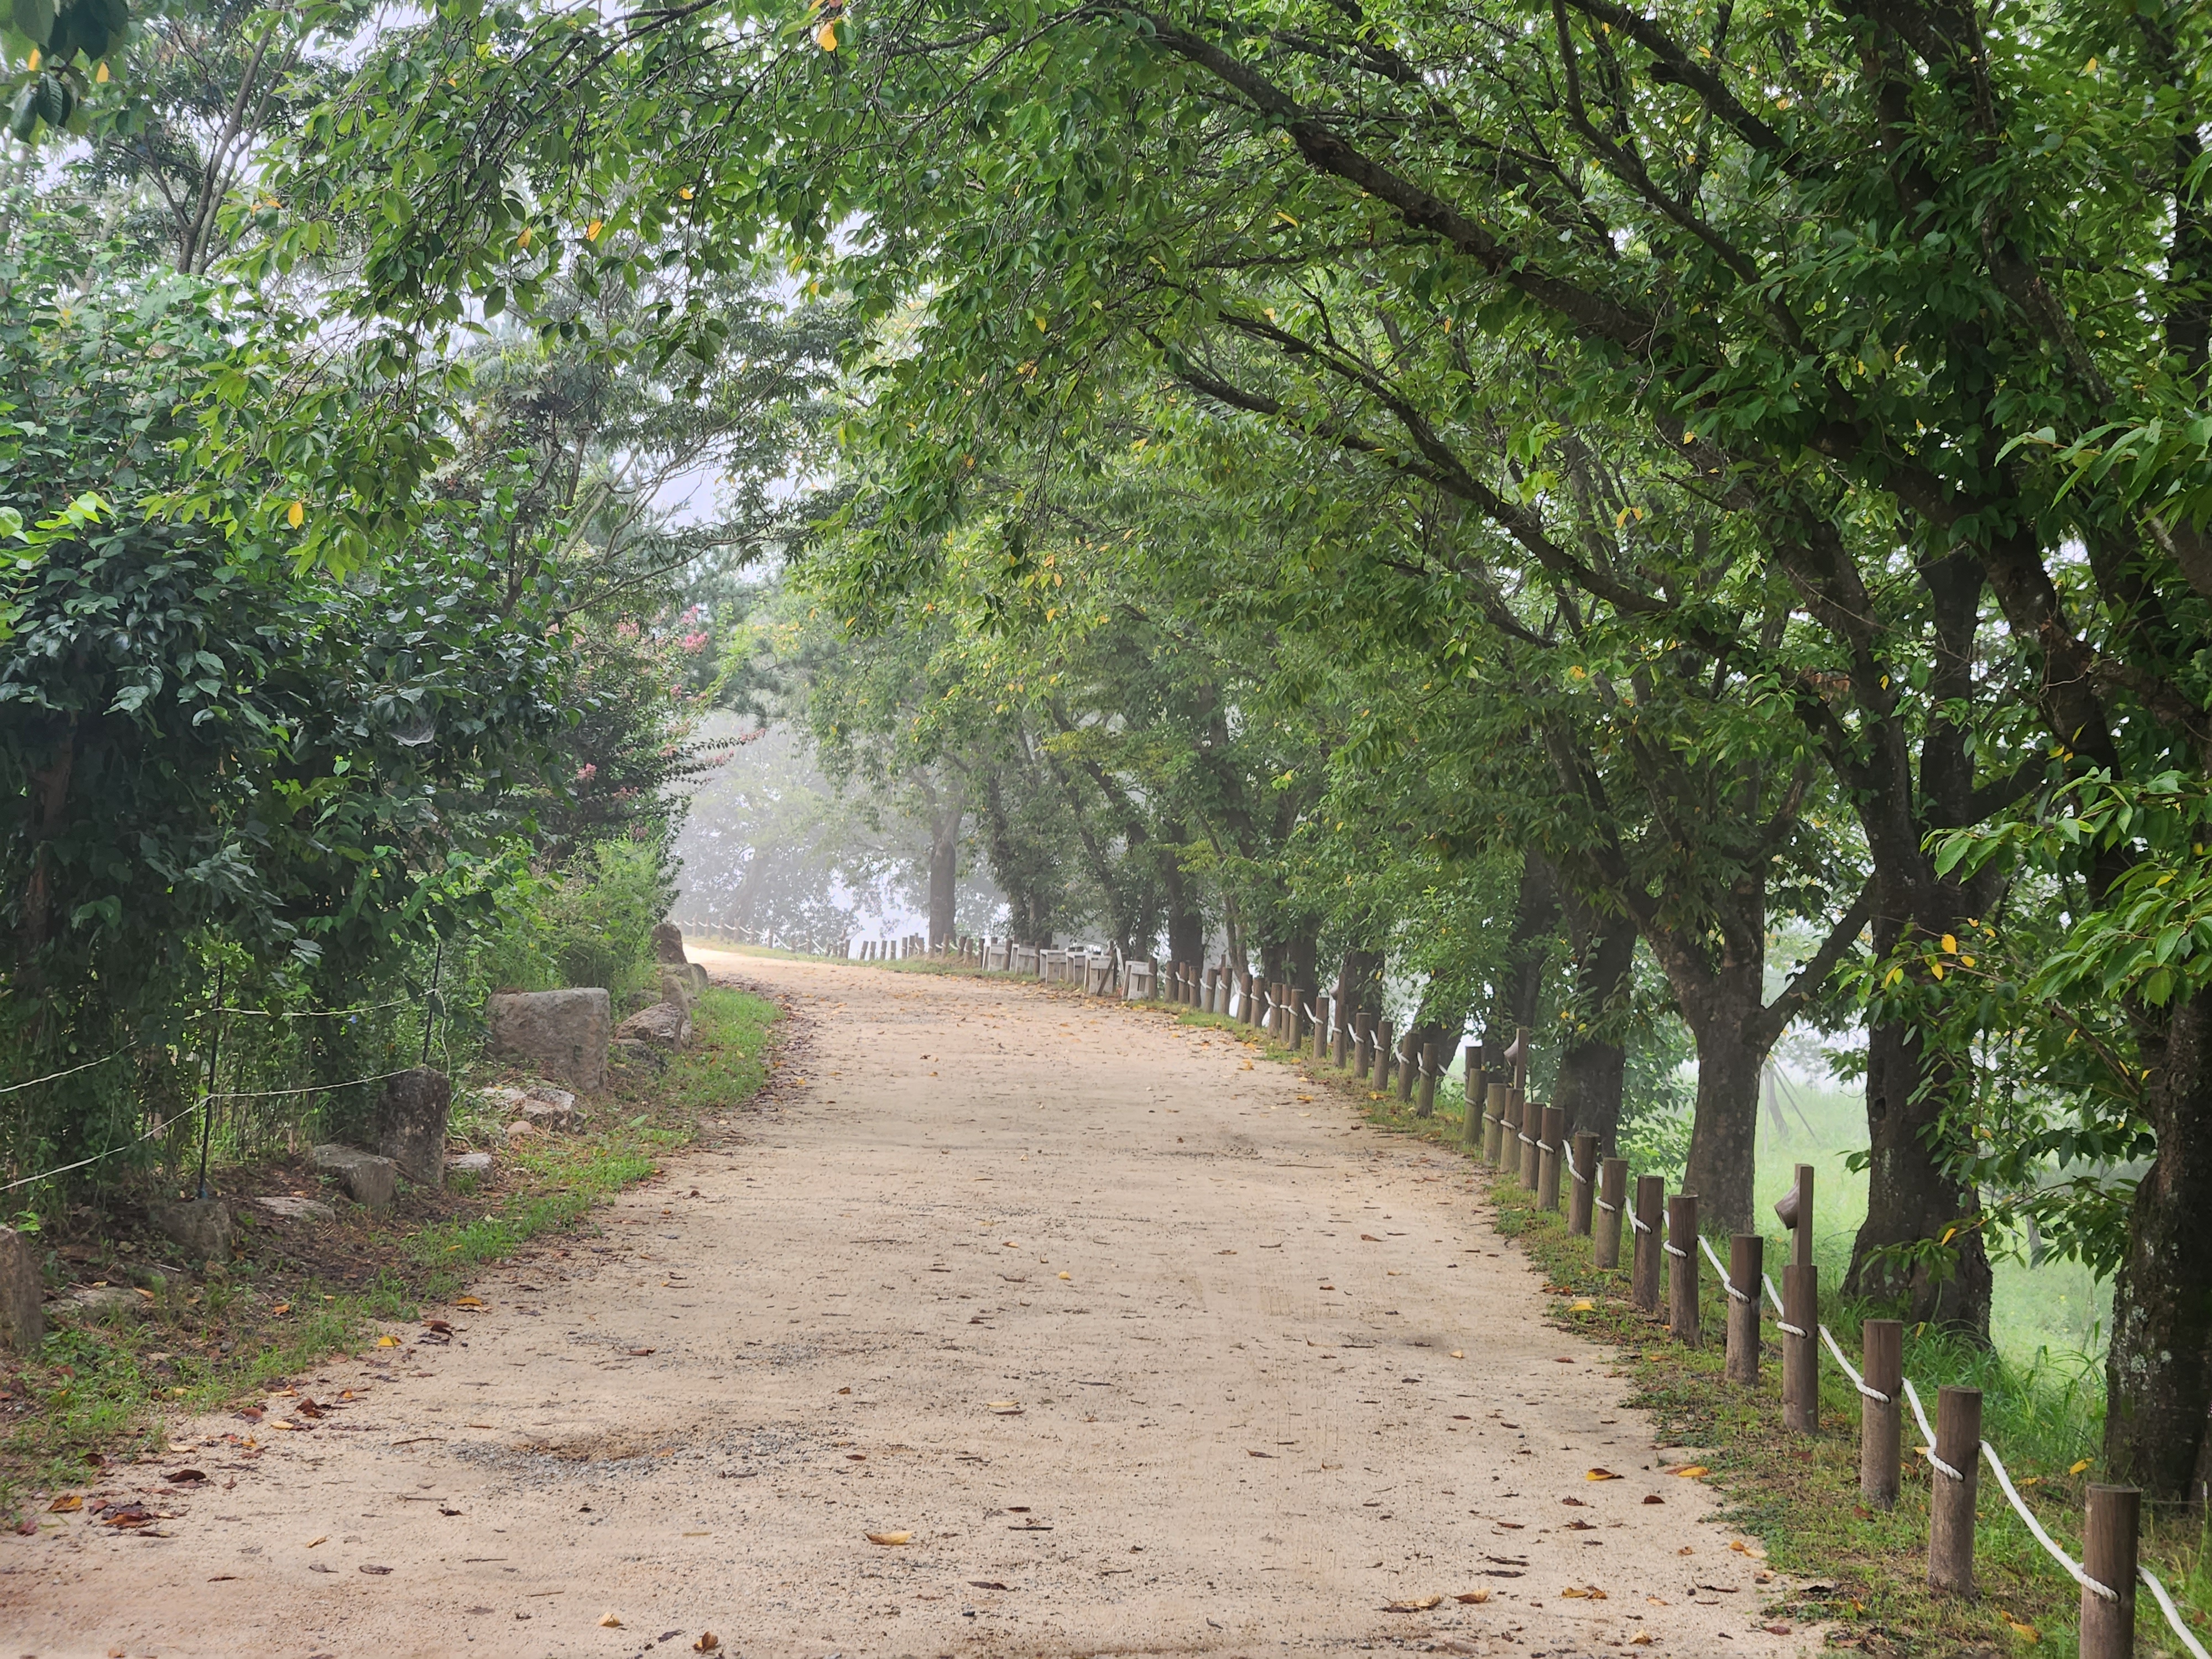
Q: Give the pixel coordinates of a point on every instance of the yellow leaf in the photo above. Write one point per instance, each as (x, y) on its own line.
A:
(1936, 968)
(1422, 1604)
(1892, 977)
(296, 514)
(1950, 944)
(1949, 1233)
(1005, 1407)
(608, 1621)
(36, 59)
(1583, 1306)
(891, 1538)
(1069, 1277)
(1473, 1598)
(522, 240)
(1287, 219)
(826, 36)
(325, 1539)
(466, 1301)
(2089, 68)
(100, 75)
(1642, 1638)
(281, 1307)
(1966, 962)
(67, 1502)
(1690, 1471)
(1459, 1354)
(2077, 1468)
(1601, 1474)
(387, 1341)
(2026, 1632)
(591, 230)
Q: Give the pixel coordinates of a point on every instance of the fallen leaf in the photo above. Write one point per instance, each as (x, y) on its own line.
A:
(1653, 1498)
(311, 1542)
(1459, 1354)
(1005, 1407)
(288, 1428)
(441, 1326)
(2077, 1468)
(608, 1621)
(1071, 1279)
(1370, 1238)
(985, 1583)
(1420, 1606)
(1574, 1503)
(473, 1302)
(891, 1538)
(308, 1408)
(184, 1477)
(1690, 1471)
(1641, 1640)
(281, 1308)
(1472, 1597)
(1601, 1474)
(387, 1341)
(1783, 1630)
(67, 1502)
(379, 1571)
(639, 1353)
(844, 1391)
(707, 1642)
(2026, 1632)
(1583, 1306)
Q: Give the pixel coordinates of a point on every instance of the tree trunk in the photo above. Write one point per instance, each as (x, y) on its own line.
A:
(1593, 1067)
(1359, 982)
(1186, 923)
(1535, 916)
(1911, 1200)
(1724, 1136)
(2159, 1371)
(943, 878)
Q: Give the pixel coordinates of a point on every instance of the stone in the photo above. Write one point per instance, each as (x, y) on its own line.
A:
(676, 987)
(550, 1114)
(697, 971)
(470, 1163)
(369, 1181)
(561, 1033)
(412, 1115)
(668, 942)
(200, 1225)
(503, 1099)
(665, 1025)
(107, 1300)
(296, 1209)
(23, 1314)
(519, 1130)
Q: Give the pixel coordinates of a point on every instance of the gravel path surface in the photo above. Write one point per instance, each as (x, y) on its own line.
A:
(1136, 1345)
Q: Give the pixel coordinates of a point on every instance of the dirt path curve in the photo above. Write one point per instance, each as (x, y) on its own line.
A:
(1148, 1352)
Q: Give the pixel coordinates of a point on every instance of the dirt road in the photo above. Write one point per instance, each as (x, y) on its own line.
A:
(1140, 1347)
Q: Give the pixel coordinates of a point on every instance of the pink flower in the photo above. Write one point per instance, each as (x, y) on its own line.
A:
(586, 773)
(693, 643)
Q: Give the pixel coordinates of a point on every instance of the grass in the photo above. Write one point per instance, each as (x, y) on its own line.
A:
(1800, 1497)
(98, 1392)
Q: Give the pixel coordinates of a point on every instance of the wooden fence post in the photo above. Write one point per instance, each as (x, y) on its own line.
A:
(1409, 1065)
(1473, 1090)
(1386, 1035)
(1426, 1105)
(1494, 1096)
(1643, 1273)
(1882, 1363)
(1801, 1357)
(1580, 1183)
(1531, 1138)
(2108, 1556)
(1746, 1260)
(1612, 1195)
(1321, 1027)
(1951, 1500)
(1550, 1142)
(1363, 1044)
(1682, 1268)
(1509, 1133)
(1341, 1051)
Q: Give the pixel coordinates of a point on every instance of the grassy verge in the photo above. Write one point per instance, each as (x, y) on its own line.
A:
(99, 1389)
(1800, 1497)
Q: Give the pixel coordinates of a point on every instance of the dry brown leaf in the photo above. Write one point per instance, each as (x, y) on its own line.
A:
(1599, 1474)
(66, 1503)
(891, 1538)
(707, 1642)
(1422, 1604)
(1641, 1640)
(1369, 1238)
(2026, 1632)
(1472, 1597)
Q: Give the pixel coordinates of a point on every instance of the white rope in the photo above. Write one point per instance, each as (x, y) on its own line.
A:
(1921, 1417)
(1673, 1249)
(1780, 1318)
(1638, 1222)
(2073, 1567)
(1857, 1381)
(2172, 1614)
(1525, 1141)
(1573, 1173)
(163, 1128)
(1727, 1283)
(1610, 1209)
(54, 1076)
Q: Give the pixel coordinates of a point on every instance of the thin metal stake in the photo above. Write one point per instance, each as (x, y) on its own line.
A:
(431, 999)
(207, 1108)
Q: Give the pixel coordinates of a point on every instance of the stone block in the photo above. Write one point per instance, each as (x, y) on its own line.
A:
(470, 1163)
(369, 1181)
(22, 1316)
(296, 1209)
(675, 986)
(668, 942)
(664, 1026)
(412, 1115)
(697, 971)
(109, 1302)
(200, 1225)
(563, 1033)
